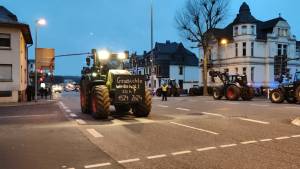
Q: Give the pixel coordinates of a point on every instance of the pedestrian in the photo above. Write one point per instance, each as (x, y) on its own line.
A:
(164, 89)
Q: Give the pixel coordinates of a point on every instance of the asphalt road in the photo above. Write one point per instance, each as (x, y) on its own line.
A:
(184, 132)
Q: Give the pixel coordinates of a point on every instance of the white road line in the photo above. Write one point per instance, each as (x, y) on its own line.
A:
(183, 109)
(97, 165)
(68, 111)
(265, 140)
(249, 142)
(129, 160)
(292, 107)
(207, 131)
(295, 136)
(206, 148)
(73, 115)
(282, 138)
(227, 145)
(157, 156)
(255, 121)
(144, 120)
(23, 116)
(162, 106)
(213, 114)
(94, 133)
(181, 152)
(80, 121)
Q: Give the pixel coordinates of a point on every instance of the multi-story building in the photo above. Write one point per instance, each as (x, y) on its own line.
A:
(256, 48)
(171, 61)
(14, 40)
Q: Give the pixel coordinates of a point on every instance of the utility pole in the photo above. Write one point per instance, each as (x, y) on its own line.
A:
(152, 54)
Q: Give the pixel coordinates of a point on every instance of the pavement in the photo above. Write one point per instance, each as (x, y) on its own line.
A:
(184, 132)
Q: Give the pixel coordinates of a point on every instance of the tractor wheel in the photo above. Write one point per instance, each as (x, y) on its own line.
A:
(233, 92)
(158, 92)
(217, 93)
(122, 109)
(291, 100)
(297, 93)
(143, 109)
(100, 102)
(276, 96)
(248, 93)
(84, 102)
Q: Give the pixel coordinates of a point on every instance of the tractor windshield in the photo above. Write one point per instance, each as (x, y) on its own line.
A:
(297, 76)
(115, 64)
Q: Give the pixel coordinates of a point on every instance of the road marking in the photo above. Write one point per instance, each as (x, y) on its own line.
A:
(206, 148)
(292, 107)
(265, 140)
(213, 114)
(282, 138)
(157, 156)
(211, 132)
(228, 145)
(181, 152)
(129, 160)
(249, 142)
(80, 121)
(97, 165)
(144, 120)
(183, 109)
(252, 120)
(230, 102)
(73, 115)
(162, 106)
(295, 136)
(94, 133)
(260, 105)
(22, 116)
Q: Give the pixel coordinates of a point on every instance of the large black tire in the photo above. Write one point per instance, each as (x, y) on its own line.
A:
(248, 93)
(143, 109)
(217, 93)
(84, 102)
(158, 92)
(122, 109)
(297, 94)
(233, 93)
(100, 102)
(276, 96)
(291, 100)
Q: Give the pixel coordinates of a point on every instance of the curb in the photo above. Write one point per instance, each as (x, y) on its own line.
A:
(296, 121)
(28, 103)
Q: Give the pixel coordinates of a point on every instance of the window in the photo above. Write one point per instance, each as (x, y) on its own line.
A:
(244, 48)
(252, 48)
(244, 30)
(236, 49)
(4, 41)
(252, 74)
(284, 51)
(279, 49)
(236, 31)
(5, 73)
(244, 70)
(237, 70)
(180, 70)
(253, 30)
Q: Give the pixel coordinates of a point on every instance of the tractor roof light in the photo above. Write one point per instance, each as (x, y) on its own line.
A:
(103, 55)
(121, 56)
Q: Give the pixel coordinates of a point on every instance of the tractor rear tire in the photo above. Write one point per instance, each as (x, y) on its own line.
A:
(233, 93)
(276, 96)
(217, 93)
(100, 102)
(248, 93)
(122, 109)
(297, 94)
(143, 109)
(84, 102)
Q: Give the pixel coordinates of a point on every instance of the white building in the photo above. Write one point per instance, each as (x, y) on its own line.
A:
(14, 38)
(256, 48)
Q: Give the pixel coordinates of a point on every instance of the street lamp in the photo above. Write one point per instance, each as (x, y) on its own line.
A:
(38, 23)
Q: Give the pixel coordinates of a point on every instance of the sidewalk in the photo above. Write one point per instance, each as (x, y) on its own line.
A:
(39, 102)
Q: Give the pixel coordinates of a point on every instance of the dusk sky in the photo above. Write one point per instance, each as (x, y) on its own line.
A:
(76, 26)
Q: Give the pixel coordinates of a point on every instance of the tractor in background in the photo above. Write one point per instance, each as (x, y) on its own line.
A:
(233, 87)
(106, 83)
(173, 89)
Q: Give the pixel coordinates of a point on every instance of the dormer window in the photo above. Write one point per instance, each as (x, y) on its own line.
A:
(244, 30)
(236, 31)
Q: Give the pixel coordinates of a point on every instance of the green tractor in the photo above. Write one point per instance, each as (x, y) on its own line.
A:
(106, 83)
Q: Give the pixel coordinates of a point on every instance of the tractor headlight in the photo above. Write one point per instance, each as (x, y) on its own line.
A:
(94, 74)
(103, 55)
(121, 56)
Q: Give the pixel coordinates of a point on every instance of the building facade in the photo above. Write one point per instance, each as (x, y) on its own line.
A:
(14, 40)
(171, 61)
(256, 48)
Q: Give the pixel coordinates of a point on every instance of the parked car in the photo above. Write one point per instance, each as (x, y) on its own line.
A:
(57, 88)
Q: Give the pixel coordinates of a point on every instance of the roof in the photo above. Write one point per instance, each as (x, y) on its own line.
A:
(8, 19)
(245, 17)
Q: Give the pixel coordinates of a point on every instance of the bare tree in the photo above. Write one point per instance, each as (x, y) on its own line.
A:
(197, 20)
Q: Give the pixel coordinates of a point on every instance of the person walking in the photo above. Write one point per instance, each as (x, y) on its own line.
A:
(164, 89)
